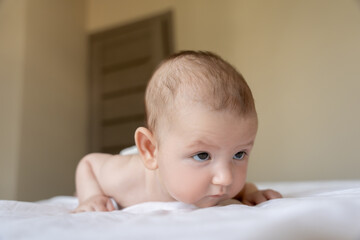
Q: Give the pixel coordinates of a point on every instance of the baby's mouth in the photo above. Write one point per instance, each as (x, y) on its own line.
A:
(217, 195)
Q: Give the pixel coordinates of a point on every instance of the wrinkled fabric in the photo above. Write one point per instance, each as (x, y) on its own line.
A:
(310, 210)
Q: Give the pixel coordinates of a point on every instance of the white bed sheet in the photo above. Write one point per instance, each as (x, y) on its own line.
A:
(310, 210)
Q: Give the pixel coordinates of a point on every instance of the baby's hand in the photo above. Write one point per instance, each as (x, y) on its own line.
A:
(260, 196)
(98, 203)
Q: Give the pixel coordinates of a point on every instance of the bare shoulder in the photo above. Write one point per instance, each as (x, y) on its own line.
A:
(119, 165)
(119, 161)
(121, 173)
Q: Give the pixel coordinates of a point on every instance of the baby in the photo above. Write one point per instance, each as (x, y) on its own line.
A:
(201, 127)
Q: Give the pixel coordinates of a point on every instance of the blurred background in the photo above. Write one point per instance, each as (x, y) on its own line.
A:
(301, 59)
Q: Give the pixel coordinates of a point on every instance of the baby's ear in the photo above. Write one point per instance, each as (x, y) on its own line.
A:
(146, 145)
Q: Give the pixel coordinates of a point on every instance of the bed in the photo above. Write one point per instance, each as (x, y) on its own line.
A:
(310, 210)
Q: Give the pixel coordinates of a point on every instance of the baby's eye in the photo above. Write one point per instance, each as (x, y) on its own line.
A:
(201, 156)
(239, 155)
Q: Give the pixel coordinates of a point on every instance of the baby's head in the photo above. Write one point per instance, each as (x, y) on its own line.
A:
(191, 77)
(201, 127)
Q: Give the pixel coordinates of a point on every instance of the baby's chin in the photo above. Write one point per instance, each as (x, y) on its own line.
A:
(228, 202)
(219, 202)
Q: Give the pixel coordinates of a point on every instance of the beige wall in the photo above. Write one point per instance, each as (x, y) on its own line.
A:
(300, 58)
(43, 97)
(12, 45)
(54, 110)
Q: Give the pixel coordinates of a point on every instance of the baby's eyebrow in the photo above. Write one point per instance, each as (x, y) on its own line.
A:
(247, 144)
(197, 143)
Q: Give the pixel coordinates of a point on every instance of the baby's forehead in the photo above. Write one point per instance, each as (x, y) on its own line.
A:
(197, 126)
(186, 107)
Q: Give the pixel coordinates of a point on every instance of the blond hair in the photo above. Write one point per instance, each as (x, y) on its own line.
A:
(200, 76)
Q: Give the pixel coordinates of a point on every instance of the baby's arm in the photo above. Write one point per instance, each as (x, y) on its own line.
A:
(89, 178)
(251, 195)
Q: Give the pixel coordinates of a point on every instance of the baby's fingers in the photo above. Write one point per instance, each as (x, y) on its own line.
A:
(259, 198)
(255, 199)
(104, 206)
(100, 208)
(110, 205)
(271, 194)
(247, 202)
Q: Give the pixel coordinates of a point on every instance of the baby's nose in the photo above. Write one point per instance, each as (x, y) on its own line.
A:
(223, 175)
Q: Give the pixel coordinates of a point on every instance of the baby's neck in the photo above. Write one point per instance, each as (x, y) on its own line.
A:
(154, 190)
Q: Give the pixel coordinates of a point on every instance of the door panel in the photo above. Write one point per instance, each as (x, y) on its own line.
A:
(121, 62)
(127, 78)
(124, 105)
(116, 137)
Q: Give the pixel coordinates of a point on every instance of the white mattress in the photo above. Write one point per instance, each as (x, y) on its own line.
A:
(310, 210)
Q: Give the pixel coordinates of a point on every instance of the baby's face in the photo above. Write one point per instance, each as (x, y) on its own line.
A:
(203, 156)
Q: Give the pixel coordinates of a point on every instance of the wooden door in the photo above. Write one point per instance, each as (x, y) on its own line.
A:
(121, 62)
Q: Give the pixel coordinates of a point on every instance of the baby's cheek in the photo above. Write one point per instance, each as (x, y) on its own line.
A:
(239, 182)
(188, 186)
